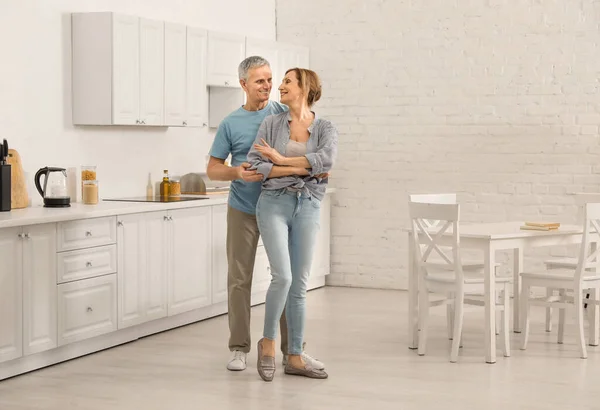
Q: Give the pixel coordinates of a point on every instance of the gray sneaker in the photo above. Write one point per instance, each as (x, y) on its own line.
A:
(237, 361)
(310, 361)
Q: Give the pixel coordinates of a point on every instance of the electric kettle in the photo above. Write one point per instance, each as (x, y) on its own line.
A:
(55, 187)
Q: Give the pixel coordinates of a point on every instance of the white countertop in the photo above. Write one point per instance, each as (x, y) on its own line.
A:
(39, 214)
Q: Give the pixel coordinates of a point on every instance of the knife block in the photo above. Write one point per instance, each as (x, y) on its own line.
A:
(18, 195)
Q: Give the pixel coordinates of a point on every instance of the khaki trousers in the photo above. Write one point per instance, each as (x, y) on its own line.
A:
(242, 240)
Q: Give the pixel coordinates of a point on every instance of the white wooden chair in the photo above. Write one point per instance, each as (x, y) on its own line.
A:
(583, 277)
(458, 286)
(557, 263)
(468, 265)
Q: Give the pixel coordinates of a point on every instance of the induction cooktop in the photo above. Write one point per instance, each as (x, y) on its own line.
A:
(157, 199)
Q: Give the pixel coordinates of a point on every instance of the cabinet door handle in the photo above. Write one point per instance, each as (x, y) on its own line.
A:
(88, 264)
(27, 236)
(185, 123)
(166, 218)
(204, 124)
(21, 236)
(119, 223)
(226, 82)
(89, 309)
(143, 121)
(137, 121)
(88, 233)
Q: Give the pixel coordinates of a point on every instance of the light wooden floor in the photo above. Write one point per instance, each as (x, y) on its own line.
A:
(360, 334)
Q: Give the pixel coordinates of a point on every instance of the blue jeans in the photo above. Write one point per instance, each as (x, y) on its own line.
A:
(288, 222)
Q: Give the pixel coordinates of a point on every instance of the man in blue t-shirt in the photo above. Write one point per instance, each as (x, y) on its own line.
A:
(235, 136)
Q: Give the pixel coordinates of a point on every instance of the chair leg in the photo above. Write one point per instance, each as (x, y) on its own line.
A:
(525, 314)
(506, 319)
(580, 314)
(499, 299)
(590, 310)
(549, 294)
(561, 317)
(450, 316)
(459, 306)
(423, 317)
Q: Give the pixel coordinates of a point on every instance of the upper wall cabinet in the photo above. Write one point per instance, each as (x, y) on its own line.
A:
(225, 53)
(185, 75)
(291, 56)
(118, 70)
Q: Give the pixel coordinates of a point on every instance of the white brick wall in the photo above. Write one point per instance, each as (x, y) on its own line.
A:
(496, 100)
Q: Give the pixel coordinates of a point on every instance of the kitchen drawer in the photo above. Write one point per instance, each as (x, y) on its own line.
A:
(85, 233)
(87, 308)
(86, 263)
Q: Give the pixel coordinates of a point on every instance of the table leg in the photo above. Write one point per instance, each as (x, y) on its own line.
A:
(413, 300)
(490, 304)
(594, 309)
(517, 269)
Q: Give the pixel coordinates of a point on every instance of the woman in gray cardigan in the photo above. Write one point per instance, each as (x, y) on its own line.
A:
(294, 151)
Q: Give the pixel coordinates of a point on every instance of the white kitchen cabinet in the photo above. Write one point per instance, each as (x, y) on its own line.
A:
(39, 288)
(291, 56)
(152, 75)
(225, 52)
(122, 78)
(117, 70)
(189, 243)
(142, 268)
(87, 308)
(270, 51)
(86, 263)
(86, 233)
(186, 96)
(175, 74)
(196, 91)
(11, 294)
(28, 290)
(219, 253)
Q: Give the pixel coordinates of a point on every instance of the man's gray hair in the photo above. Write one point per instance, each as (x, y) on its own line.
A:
(248, 63)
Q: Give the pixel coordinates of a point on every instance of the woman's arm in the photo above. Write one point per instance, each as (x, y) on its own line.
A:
(255, 158)
(283, 171)
(322, 161)
(301, 162)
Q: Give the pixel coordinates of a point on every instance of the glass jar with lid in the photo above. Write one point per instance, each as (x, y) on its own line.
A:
(90, 192)
(88, 173)
(175, 187)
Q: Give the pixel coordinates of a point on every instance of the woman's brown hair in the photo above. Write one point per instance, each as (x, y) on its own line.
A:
(309, 83)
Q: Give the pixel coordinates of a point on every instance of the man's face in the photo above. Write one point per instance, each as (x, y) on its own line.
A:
(259, 83)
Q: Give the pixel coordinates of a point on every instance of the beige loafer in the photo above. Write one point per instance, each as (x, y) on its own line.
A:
(265, 364)
(306, 372)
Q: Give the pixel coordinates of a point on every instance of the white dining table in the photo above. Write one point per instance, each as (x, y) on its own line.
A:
(489, 238)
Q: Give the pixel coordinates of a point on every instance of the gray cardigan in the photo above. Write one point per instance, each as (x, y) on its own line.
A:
(321, 152)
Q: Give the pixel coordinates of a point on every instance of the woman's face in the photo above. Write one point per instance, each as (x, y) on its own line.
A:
(289, 89)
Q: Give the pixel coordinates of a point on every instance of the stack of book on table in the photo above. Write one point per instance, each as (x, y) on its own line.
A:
(540, 226)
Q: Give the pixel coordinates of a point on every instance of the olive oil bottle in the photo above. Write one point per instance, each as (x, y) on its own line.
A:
(165, 185)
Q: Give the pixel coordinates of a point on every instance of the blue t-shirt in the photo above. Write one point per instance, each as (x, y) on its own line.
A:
(235, 136)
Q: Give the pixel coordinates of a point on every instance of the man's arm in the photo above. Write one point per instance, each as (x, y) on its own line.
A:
(218, 171)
